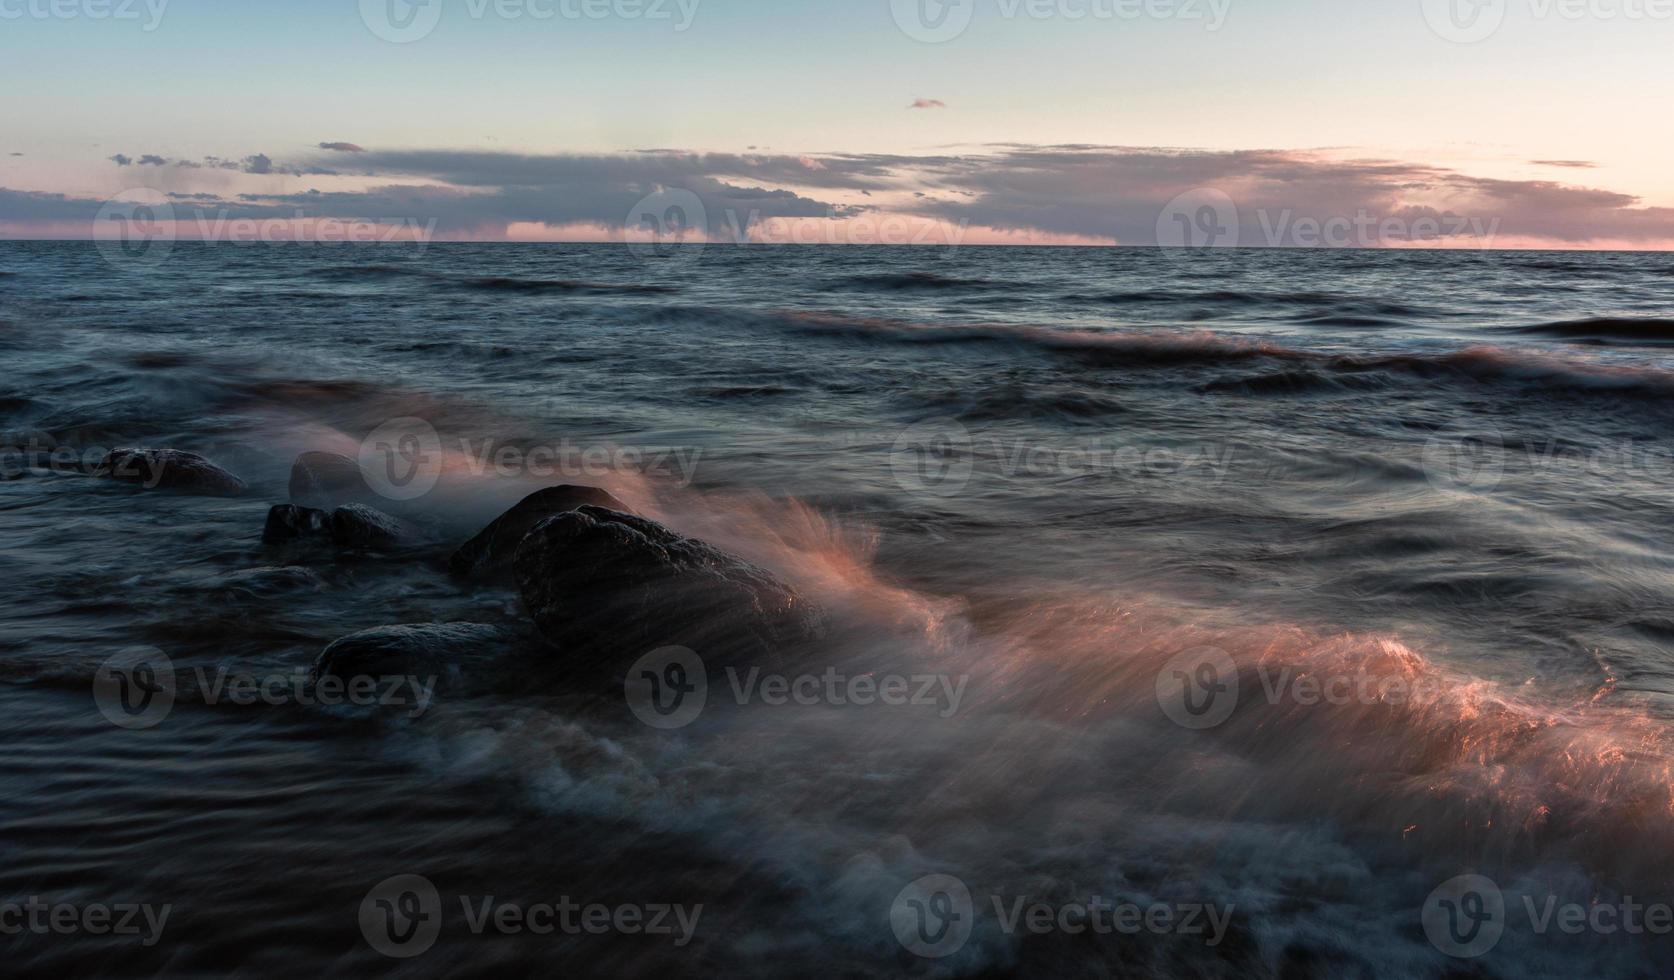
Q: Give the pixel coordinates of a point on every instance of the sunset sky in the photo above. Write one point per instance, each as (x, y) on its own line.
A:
(816, 118)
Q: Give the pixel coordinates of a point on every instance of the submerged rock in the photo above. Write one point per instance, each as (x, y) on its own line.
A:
(170, 469)
(353, 526)
(327, 479)
(288, 522)
(607, 587)
(359, 526)
(490, 553)
(473, 654)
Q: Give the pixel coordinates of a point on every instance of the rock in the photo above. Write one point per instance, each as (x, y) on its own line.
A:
(359, 526)
(459, 654)
(491, 551)
(327, 479)
(607, 588)
(352, 526)
(288, 522)
(170, 469)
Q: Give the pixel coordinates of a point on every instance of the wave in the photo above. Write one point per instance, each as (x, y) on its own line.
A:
(1651, 331)
(503, 284)
(1484, 364)
(1327, 304)
(510, 285)
(1155, 348)
(1020, 401)
(900, 281)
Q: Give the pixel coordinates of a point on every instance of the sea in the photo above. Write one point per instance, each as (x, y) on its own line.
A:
(1223, 613)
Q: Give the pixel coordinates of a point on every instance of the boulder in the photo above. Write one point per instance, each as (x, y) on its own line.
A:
(328, 479)
(456, 654)
(606, 588)
(352, 526)
(359, 526)
(490, 553)
(170, 469)
(288, 522)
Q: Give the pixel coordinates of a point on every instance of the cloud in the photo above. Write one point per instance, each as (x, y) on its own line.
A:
(122, 160)
(928, 104)
(342, 147)
(152, 160)
(17, 154)
(1125, 193)
(1574, 164)
(1075, 192)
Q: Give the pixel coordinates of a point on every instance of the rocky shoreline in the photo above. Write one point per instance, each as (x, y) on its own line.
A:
(601, 586)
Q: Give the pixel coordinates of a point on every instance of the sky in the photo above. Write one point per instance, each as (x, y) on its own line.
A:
(1468, 123)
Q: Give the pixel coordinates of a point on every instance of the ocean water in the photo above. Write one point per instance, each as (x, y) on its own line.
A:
(1412, 508)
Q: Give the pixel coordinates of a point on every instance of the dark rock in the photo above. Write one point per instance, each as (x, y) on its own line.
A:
(328, 479)
(359, 526)
(491, 551)
(470, 654)
(288, 522)
(607, 588)
(170, 469)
